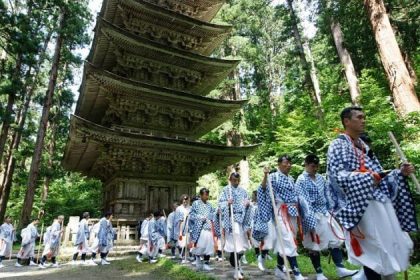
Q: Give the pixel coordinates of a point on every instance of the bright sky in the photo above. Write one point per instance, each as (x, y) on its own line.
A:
(95, 7)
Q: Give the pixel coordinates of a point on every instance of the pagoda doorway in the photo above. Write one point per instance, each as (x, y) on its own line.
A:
(159, 199)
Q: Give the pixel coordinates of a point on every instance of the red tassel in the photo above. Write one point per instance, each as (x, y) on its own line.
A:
(312, 237)
(318, 241)
(355, 245)
(261, 245)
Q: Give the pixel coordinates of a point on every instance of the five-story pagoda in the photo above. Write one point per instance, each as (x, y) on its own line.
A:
(142, 103)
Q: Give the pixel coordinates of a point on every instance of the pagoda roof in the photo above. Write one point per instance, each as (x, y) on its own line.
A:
(103, 92)
(121, 52)
(204, 10)
(165, 26)
(101, 152)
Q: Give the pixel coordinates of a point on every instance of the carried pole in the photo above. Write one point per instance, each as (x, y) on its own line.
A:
(276, 220)
(186, 238)
(222, 237)
(40, 242)
(403, 159)
(233, 234)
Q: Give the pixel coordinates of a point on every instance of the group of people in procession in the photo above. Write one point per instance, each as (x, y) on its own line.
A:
(359, 205)
(102, 242)
(362, 206)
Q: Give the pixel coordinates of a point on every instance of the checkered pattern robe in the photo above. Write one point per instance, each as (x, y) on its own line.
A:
(153, 231)
(82, 232)
(106, 233)
(29, 235)
(6, 232)
(240, 215)
(351, 192)
(53, 237)
(217, 226)
(313, 198)
(171, 234)
(284, 192)
(179, 217)
(200, 211)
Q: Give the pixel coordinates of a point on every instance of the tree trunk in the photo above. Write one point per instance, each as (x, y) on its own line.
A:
(400, 82)
(7, 120)
(346, 61)
(47, 179)
(6, 181)
(312, 72)
(36, 159)
(409, 64)
(312, 84)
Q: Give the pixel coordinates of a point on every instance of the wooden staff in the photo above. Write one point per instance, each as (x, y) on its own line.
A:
(13, 239)
(276, 220)
(232, 220)
(186, 238)
(40, 242)
(222, 238)
(403, 159)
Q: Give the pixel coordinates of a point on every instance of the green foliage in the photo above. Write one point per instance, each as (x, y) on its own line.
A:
(280, 113)
(70, 195)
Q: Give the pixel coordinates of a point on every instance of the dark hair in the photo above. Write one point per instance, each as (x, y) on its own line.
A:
(311, 159)
(235, 175)
(284, 157)
(33, 219)
(183, 197)
(157, 213)
(365, 138)
(108, 214)
(85, 215)
(348, 112)
(194, 198)
(204, 190)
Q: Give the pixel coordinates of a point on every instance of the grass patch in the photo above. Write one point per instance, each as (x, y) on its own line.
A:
(306, 267)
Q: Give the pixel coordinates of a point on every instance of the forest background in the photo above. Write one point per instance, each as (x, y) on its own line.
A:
(303, 61)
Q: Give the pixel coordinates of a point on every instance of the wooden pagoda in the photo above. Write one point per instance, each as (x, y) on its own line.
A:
(142, 103)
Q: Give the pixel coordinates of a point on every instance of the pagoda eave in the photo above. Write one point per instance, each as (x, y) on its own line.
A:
(145, 19)
(204, 10)
(191, 116)
(121, 52)
(102, 152)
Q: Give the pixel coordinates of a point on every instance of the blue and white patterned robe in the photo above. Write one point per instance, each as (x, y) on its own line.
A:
(351, 191)
(199, 212)
(29, 236)
(171, 234)
(6, 232)
(240, 214)
(6, 238)
(161, 223)
(284, 192)
(156, 231)
(181, 215)
(313, 198)
(52, 238)
(82, 233)
(105, 235)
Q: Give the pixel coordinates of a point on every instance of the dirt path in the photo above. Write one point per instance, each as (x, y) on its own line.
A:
(116, 270)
